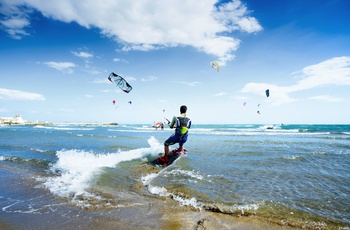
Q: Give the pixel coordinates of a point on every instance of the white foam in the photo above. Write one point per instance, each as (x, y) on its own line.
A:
(191, 174)
(76, 168)
(294, 157)
(38, 150)
(188, 202)
(243, 208)
(161, 191)
(62, 128)
(148, 178)
(192, 202)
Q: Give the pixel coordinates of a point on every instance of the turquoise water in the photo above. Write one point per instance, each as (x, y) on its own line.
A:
(296, 175)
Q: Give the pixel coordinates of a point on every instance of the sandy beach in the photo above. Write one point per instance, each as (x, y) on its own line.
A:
(152, 213)
(146, 212)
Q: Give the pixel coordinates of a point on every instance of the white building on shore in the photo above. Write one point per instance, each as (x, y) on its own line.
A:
(17, 119)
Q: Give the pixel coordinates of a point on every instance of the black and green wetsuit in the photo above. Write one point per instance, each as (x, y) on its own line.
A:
(182, 124)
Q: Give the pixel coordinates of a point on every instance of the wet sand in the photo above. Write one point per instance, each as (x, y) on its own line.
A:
(139, 210)
(148, 214)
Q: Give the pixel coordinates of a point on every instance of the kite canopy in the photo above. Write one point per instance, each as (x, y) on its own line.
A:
(121, 82)
(215, 65)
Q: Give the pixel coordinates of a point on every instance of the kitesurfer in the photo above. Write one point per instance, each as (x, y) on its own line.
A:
(181, 124)
(158, 124)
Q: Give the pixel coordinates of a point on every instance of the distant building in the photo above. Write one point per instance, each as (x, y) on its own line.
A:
(17, 119)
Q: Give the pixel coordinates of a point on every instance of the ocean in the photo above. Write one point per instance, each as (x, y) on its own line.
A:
(287, 174)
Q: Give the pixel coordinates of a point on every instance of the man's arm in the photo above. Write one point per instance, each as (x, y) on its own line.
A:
(173, 121)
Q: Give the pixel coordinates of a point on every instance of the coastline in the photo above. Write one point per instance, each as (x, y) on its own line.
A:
(64, 123)
(151, 216)
(139, 210)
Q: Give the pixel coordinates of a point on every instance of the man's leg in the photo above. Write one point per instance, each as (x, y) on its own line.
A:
(170, 141)
(181, 143)
(166, 150)
(165, 159)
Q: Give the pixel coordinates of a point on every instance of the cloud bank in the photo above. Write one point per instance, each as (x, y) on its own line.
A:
(144, 24)
(65, 67)
(334, 71)
(11, 94)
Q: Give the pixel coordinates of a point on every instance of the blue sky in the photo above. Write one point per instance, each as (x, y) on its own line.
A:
(56, 56)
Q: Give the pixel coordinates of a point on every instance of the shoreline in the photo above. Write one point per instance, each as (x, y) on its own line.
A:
(138, 210)
(150, 213)
(63, 123)
(136, 218)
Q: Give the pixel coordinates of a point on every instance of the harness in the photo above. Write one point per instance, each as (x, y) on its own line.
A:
(182, 125)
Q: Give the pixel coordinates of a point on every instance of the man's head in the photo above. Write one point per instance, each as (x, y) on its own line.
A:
(183, 109)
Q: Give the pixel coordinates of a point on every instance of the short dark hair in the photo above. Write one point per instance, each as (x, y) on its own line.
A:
(183, 109)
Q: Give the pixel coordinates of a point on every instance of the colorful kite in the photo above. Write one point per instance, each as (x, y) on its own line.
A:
(215, 65)
(121, 82)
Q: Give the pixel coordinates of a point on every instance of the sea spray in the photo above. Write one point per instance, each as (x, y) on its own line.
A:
(75, 170)
(163, 192)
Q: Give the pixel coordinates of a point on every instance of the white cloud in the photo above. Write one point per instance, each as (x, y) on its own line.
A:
(82, 54)
(150, 78)
(155, 24)
(220, 94)
(101, 81)
(15, 27)
(129, 78)
(188, 83)
(15, 19)
(240, 98)
(65, 67)
(12, 94)
(105, 90)
(334, 71)
(92, 71)
(89, 68)
(326, 98)
(120, 60)
(234, 16)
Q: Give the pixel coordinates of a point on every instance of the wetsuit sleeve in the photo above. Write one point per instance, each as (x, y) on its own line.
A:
(173, 122)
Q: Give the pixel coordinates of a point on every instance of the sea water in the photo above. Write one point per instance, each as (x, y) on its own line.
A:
(297, 175)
